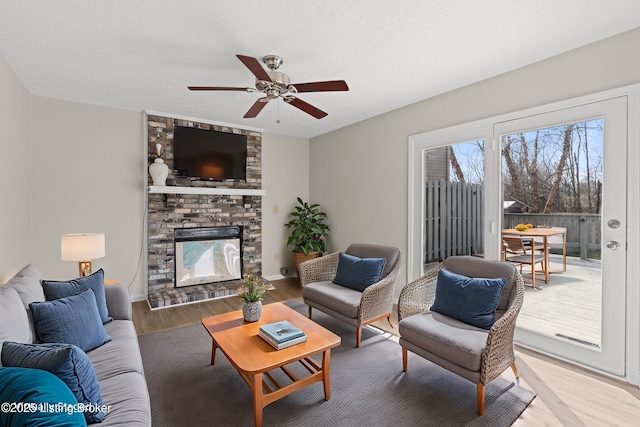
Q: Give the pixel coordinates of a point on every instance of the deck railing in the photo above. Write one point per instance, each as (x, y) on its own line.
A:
(583, 230)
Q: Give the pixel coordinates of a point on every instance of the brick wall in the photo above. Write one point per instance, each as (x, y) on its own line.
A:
(166, 212)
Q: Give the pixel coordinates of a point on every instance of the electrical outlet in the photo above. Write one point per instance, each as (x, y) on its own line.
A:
(276, 208)
(276, 257)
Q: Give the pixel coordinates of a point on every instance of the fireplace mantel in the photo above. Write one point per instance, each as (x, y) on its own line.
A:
(171, 189)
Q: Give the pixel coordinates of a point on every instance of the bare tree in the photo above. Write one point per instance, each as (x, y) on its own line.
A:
(516, 187)
(566, 149)
(456, 166)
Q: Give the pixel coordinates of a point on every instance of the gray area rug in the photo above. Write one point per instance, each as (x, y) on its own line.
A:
(368, 387)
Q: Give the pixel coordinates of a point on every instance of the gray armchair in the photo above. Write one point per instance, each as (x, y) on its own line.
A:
(477, 354)
(351, 306)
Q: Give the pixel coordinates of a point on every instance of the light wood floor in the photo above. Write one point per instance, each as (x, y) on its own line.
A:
(567, 395)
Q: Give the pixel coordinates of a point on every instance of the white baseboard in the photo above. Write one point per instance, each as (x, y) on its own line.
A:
(274, 277)
(138, 297)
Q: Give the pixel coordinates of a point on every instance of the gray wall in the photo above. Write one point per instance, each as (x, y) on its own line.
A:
(15, 179)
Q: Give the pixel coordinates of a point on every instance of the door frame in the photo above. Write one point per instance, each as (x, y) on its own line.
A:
(483, 129)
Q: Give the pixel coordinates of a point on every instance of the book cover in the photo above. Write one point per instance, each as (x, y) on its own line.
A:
(281, 331)
(285, 344)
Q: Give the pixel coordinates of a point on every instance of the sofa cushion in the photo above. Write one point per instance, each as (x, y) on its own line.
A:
(127, 399)
(358, 273)
(338, 298)
(120, 355)
(54, 290)
(14, 321)
(27, 283)
(67, 362)
(36, 386)
(72, 320)
(471, 300)
(446, 337)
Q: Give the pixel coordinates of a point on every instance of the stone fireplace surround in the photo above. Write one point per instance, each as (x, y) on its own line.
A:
(189, 204)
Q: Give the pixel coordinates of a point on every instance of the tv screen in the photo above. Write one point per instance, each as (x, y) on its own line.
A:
(209, 154)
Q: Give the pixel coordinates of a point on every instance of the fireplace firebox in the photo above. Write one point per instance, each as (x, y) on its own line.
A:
(207, 255)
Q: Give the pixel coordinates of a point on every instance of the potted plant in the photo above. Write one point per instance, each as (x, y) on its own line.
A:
(308, 232)
(251, 292)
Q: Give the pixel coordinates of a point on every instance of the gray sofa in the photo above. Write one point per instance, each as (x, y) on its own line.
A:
(118, 363)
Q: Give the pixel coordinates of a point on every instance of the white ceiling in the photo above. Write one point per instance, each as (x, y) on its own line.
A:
(142, 54)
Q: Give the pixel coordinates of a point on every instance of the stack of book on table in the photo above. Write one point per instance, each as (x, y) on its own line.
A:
(281, 334)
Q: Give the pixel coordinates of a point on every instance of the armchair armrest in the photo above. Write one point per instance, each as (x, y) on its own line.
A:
(498, 354)
(118, 301)
(377, 299)
(418, 296)
(319, 269)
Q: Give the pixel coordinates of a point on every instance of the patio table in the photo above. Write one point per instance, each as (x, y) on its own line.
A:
(538, 232)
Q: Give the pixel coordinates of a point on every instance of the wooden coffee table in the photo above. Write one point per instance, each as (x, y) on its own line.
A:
(253, 357)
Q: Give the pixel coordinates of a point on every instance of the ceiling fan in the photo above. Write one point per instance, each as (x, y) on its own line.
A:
(275, 84)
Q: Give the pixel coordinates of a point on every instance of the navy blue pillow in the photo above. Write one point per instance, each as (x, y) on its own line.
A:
(358, 273)
(67, 362)
(470, 300)
(72, 320)
(33, 386)
(56, 290)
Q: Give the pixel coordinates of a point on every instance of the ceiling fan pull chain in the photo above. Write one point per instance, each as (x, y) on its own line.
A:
(278, 121)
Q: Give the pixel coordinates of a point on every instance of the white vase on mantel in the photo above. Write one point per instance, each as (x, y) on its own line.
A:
(159, 172)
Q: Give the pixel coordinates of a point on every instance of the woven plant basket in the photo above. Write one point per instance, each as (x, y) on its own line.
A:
(299, 258)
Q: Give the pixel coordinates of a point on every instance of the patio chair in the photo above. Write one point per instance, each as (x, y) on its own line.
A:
(515, 251)
(477, 353)
(356, 305)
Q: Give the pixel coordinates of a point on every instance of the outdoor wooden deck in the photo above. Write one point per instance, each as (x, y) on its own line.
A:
(567, 306)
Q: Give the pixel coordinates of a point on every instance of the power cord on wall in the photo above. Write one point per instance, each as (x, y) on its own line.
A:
(144, 221)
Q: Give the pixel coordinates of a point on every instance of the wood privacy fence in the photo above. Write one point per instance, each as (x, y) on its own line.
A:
(584, 231)
(454, 217)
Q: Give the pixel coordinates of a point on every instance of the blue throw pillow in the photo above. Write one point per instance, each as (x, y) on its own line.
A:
(358, 273)
(27, 387)
(56, 290)
(67, 362)
(470, 300)
(72, 320)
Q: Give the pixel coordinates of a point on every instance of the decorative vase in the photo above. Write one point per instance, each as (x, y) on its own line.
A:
(159, 172)
(251, 311)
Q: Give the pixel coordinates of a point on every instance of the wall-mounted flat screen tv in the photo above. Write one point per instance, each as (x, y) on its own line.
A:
(209, 155)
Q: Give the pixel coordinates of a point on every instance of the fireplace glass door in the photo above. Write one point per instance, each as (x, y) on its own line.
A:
(203, 258)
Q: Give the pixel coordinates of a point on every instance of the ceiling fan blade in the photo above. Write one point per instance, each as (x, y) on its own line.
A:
(254, 66)
(328, 86)
(306, 107)
(256, 108)
(239, 89)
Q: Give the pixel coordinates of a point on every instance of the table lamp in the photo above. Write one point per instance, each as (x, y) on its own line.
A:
(82, 247)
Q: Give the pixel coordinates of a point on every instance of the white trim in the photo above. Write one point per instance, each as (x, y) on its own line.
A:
(633, 236)
(197, 120)
(274, 277)
(225, 191)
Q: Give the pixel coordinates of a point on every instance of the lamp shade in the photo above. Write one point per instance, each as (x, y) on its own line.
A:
(82, 247)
